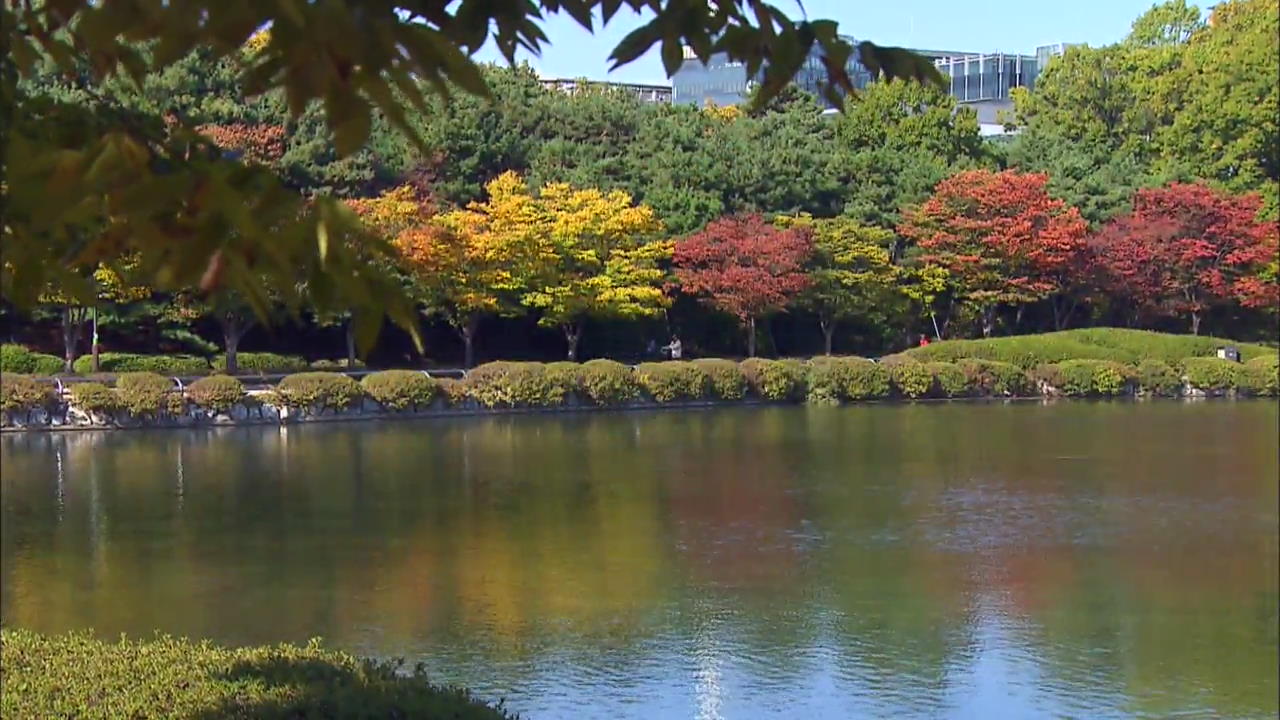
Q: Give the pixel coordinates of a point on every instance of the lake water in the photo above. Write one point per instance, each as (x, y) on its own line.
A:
(944, 560)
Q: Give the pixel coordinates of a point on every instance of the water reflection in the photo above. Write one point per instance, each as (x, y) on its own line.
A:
(1108, 560)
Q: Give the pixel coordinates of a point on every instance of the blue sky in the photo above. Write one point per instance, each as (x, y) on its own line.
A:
(967, 25)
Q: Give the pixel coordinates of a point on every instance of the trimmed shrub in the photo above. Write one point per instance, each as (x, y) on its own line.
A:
(1116, 344)
(832, 379)
(146, 393)
(216, 393)
(76, 675)
(1260, 376)
(799, 371)
(674, 380)
(400, 389)
(21, 393)
(515, 384)
(116, 362)
(1212, 374)
(564, 378)
(994, 378)
(453, 390)
(727, 380)
(1087, 378)
(1157, 378)
(911, 379)
(261, 363)
(340, 364)
(94, 397)
(605, 382)
(322, 390)
(18, 359)
(775, 380)
(949, 379)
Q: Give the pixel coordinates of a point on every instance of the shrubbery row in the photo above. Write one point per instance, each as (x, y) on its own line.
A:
(822, 380)
(18, 359)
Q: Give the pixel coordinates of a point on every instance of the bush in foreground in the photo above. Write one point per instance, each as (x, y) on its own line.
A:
(1116, 344)
(911, 379)
(117, 362)
(775, 380)
(1210, 374)
(833, 379)
(216, 393)
(22, 393)
(727, 380)
(18, 359)
(1087, 378)
(453, 390)
(606, 382)
(94, 397)
(398, 390)
(515, 384)
(674, 380)
(75, 675)
(1261, 376)
(146, 393)
(992, 378)
(321, 390)
(1157, 378)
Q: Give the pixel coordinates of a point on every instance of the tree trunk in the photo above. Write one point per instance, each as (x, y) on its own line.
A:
(234, 328)
(751, 337)
(828, 333)
(93, 347)
(988, 320)
(351, 344)
(72, 329)
(572, 334)
(1195, 322)
(1061, 315)
(1017, 316)
(467, 330)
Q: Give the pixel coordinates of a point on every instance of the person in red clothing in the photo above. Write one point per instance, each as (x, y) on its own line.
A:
(924, 340)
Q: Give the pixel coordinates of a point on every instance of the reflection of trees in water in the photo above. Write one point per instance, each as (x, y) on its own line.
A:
(536, 543)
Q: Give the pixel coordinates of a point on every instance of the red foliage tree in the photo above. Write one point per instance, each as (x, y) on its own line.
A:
(1186, 248)
(744, 266)
(255, 143)
(1004, 240)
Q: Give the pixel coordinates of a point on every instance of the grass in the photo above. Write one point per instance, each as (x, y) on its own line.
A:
(1117, 344)
(75, 675)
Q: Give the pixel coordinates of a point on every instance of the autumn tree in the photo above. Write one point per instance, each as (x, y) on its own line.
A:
(744, 266)
(108, 285)
(851, 272)
(598, 259)
(1187, 248)
(1002, 238)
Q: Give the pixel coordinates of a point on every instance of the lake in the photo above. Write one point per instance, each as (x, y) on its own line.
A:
(935, 560)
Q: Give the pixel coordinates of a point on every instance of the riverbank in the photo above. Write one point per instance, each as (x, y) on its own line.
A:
(75, 675)
(143, 399)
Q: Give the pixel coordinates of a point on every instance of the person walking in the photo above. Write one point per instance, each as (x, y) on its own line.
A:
(674, 349)
(924, 340)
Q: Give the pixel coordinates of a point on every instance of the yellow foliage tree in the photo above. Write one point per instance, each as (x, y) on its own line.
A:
(107, 285)
(599, 257)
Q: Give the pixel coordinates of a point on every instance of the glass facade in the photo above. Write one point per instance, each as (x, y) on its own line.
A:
(974, 77)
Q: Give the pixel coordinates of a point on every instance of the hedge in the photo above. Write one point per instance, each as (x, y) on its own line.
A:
(833, 379)
(1261, 376)
(321, 390)
(216, 393)
(21, 393)
(911, 379)
(400, 389)
(18, 359)
(727, 379)
(328, 364)
(949, 380)
(674, 380)
(116, 362)
(606, 382)
(453, 390)
(775, 380)
(76, 675)
(94, 397)
(516, 384)
(262, 363)
(1157, 378)
(1115, 344)
(1211, 374)
(994, 378)
(146, 393)
(1087, 378)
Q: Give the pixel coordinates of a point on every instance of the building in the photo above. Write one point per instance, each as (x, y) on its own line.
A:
(977, 80)
(659, 94)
